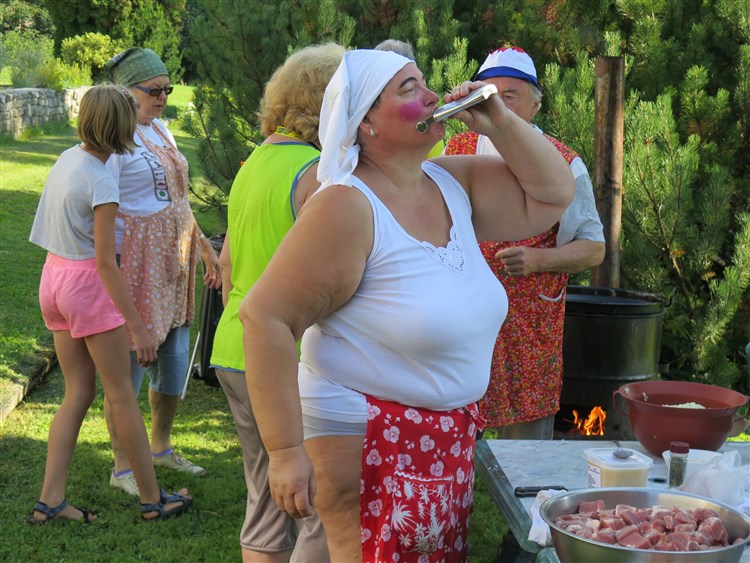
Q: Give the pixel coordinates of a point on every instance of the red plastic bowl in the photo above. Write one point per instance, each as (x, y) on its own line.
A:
(656, 425)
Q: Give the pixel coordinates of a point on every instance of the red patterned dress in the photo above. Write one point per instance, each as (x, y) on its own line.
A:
(526, 376)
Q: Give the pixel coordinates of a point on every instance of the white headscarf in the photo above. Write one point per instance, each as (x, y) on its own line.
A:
(354, 87)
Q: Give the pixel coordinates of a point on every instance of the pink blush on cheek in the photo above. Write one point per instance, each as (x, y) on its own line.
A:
(411, 111)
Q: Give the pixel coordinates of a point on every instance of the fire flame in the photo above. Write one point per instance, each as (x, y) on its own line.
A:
(593, 425)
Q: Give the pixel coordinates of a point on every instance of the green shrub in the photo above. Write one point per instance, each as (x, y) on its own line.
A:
(28, 59)
(26, 53)
(90, 50)
(5, 74)
(16, 41)
(59, 75)
(26, 67)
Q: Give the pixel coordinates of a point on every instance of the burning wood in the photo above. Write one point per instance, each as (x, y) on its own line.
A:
(593, 425)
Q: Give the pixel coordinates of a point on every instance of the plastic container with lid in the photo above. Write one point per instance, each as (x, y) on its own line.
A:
(606, 470)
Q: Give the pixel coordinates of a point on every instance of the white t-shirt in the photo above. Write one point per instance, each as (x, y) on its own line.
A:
(419, 330)
(581, 219)
(143, 186)
(64, 221)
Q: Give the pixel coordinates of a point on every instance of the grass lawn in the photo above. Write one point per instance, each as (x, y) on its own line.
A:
(24, 165)
(23, 171)
(204, 431)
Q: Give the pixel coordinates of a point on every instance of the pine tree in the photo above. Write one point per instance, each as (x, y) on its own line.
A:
(157, 25)
(448, 71)
(236, 46)
(677, 234)
(687, 175)
(568, 105)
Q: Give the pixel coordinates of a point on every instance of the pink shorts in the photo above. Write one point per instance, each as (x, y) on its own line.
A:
(73, 297)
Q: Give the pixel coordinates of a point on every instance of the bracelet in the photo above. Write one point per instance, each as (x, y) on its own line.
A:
(201, 236)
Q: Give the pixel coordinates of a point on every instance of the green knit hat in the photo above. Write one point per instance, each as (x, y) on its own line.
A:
(135, 65)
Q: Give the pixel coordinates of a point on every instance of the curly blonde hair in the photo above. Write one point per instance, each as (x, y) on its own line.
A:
(294, 94)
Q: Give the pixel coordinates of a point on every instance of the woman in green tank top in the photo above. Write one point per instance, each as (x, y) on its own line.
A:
(266, 196)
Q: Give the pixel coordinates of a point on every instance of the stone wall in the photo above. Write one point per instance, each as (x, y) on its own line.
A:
(21, 108)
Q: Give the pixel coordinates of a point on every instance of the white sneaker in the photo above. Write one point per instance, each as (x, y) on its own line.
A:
(125, 482)
(173, 460)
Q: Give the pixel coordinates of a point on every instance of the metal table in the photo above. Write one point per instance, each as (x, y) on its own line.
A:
(504, 465)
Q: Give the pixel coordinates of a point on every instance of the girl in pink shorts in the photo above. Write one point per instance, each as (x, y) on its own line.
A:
(86, 305)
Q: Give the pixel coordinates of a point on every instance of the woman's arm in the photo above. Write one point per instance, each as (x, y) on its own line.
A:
(106, 265)
(528, 189)
(570, 258)
(307, 185)
(212, 276)
(316, 269)
(225, 261)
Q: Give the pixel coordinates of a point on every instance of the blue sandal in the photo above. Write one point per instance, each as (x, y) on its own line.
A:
(52, 513)
(164, 499)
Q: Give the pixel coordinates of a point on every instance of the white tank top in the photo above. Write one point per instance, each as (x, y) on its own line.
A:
(420, 328)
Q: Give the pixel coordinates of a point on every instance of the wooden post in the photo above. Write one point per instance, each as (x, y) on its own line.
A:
(609, 100)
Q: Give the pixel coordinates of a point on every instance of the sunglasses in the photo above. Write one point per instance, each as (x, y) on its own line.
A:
(154, 92)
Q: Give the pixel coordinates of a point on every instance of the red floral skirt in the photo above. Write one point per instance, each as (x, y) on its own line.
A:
(417, 487)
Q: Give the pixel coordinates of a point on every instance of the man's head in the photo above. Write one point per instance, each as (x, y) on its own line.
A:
(403, 48)
(513, 72)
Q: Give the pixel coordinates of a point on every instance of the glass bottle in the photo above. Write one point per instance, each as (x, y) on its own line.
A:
(678, 459)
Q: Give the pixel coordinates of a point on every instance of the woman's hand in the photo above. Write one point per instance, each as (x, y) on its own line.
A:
(212, 275)
(145, 348)
(291, 479)
(484, 118)
(520, 260)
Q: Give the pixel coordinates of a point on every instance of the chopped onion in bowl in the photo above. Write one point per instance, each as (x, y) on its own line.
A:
(686, 406)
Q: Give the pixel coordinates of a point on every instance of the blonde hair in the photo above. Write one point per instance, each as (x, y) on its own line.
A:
(107, 119)
(294, 94)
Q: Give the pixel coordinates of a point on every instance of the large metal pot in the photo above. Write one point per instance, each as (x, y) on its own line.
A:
(656, 425)
(573, 549)
(611, 335)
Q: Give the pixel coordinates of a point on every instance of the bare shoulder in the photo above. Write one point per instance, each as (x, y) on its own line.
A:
(474, 170)
(339, 215)
(321, 260)
(334, 199)
(455, 164)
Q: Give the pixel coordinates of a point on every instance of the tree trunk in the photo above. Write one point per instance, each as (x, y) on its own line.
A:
(608, 146)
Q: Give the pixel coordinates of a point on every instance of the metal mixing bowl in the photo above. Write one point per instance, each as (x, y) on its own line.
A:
(573, 549)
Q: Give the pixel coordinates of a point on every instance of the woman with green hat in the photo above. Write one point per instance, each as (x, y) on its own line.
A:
(159, 243)
(86, 305)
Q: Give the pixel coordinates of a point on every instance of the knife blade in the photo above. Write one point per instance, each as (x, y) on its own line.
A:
(532, 491)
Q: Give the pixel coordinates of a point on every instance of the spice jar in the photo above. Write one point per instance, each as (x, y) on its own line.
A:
(678, 459)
